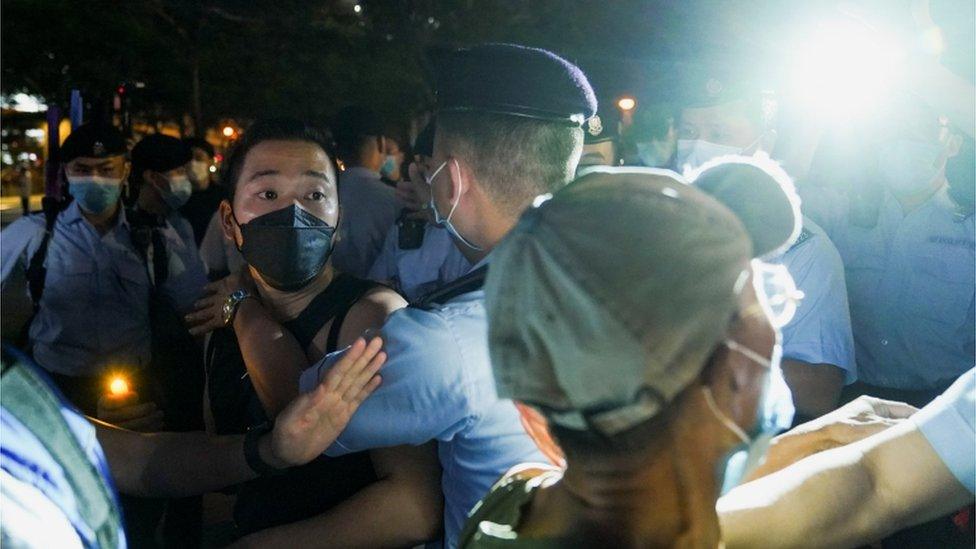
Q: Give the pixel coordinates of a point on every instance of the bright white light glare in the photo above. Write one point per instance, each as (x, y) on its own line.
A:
(35, 133)
(357, 8)
(842, 70)
(228, 131)
(21, 102)
(213, 169)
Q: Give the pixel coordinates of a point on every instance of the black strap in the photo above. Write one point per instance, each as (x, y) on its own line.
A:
(333, 302)
(36, 271)
(468, 283)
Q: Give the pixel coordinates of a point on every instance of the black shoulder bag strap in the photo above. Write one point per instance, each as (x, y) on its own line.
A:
(332, 303)
(36, 271)
(468, 283)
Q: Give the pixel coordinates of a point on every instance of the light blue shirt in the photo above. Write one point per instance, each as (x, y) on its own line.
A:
(438, 385)
(911, 281)
(368, 209)
(820, 331)
(94, 312)
(949, 424)
(415, 273)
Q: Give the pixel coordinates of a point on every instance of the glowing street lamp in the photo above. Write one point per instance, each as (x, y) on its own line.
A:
(228, 131)
(118, 386)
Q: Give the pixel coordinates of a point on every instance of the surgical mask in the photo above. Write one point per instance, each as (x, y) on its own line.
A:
(654, 154)
(288, 247)
(178, 193)
(95, 194)
(446, 221)
(199, 171)
(388, 166)
(775, 414)
(908, 166)
(692, 153)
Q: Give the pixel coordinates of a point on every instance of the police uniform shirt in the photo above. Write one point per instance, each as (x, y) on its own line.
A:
(438, 385)
(910, 281)
(949, 425)
(368, 209)
(94, 312)
(820, 331)
(414, 273)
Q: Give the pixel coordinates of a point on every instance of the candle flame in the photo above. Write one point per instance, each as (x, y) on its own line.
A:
(118, 386)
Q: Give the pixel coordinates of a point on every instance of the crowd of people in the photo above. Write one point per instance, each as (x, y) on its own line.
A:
(531, 326)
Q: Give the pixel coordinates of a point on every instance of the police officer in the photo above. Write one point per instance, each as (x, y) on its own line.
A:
(721, 115)
(498, 144)
(159, 179)
(601, 135)
(909, 257)
(368, 204)
(89, 283)
(418, 256)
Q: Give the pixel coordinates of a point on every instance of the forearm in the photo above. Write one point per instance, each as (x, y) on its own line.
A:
(816, 387)
(810, 504)
(176, 464)
(273, 357)
(403, 508)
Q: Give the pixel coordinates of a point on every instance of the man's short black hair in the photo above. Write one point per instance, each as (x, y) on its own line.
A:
(352, 127)
(199, 143)
(270, 129)
(514, 158)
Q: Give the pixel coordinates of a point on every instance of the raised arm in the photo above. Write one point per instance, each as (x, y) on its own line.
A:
(403, 508)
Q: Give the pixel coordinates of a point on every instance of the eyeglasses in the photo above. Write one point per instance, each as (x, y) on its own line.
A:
(777, 292)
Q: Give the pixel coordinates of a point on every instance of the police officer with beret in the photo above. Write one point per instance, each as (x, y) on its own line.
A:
(725, 113)
(499, 142)
(89, 283)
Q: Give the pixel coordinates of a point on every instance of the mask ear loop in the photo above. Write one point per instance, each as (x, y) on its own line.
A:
(722, 417)
(460, 192)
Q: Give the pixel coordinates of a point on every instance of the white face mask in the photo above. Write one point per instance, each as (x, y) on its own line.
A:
(692, 153)
(199, 171)
(178, 193)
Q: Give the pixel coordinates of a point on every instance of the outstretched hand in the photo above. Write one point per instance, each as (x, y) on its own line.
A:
(313, 421)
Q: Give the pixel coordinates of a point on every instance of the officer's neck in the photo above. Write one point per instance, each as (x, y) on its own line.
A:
(288, 305)
(663, 496)
(912, 201)
(103, 222)
(487, 231)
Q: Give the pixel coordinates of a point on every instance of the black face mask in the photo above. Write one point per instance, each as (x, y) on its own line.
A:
(289, 247)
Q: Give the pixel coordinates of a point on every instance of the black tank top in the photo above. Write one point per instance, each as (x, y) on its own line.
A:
(304, 491)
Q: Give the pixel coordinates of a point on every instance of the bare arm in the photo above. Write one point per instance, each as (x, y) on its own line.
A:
(181, 464)
(403, 508)
(844, 497)
(273, 356)
(816, 387)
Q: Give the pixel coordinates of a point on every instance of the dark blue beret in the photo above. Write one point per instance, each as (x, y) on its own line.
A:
(515, 80)
(159, 153)
(93, 140)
